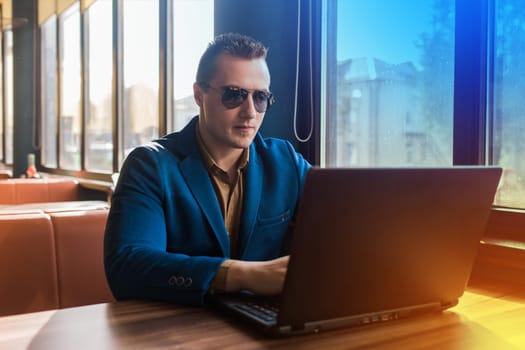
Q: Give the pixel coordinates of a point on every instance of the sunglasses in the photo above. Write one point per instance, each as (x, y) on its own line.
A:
(233, 97)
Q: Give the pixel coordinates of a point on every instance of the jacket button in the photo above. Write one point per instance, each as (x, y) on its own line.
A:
(188, 282)
(172, 281)
(180, 281)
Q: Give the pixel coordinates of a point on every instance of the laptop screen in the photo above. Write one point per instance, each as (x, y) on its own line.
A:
(372, 240)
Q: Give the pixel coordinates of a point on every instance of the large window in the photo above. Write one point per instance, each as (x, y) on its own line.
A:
(98, 93)
(100, 90)
(391, 76)
(8, 96)
(393, 83)
(141, 72)
(187, 50)
(48, 55)
(508, 101)
(70, 88)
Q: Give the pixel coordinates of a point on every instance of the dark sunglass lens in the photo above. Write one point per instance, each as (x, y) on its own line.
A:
(233, 97)
(260, 100)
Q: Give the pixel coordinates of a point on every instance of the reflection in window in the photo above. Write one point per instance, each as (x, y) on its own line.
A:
(393, 59)
(8, 96)
(508, 142)
(187, 50)
(141, 73)
(48, 92)
(99, 142)
(70, 88)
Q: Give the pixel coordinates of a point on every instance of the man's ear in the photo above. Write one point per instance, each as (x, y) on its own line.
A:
(197, 94)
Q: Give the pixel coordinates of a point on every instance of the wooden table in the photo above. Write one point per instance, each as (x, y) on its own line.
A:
(484, 319)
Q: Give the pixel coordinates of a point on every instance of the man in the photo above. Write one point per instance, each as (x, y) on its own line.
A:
(207, 209)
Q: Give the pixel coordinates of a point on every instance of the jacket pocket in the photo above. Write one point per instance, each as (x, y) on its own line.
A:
(283, 217)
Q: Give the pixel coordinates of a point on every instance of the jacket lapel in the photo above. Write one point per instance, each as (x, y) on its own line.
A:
(252, 198)
(200, 185)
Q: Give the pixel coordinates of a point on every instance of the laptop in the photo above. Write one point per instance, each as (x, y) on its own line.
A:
(376, 244)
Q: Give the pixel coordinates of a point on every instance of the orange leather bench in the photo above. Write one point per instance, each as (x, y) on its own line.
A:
(79, 239)
(19, 191)
(52, 259)
(28, 278)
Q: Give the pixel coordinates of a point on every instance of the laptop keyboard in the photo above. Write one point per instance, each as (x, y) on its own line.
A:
(266, 311)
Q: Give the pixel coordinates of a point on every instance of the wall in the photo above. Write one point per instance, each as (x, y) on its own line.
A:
(273, 22)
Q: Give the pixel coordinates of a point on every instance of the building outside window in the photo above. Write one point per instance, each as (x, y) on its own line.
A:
(394, 80)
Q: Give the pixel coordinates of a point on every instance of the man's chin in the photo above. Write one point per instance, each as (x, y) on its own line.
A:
(242, 144)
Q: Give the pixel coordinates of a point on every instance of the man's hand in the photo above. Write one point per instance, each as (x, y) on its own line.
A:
(259, 277)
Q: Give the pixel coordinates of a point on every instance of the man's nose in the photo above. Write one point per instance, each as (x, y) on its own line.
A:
(248, 107)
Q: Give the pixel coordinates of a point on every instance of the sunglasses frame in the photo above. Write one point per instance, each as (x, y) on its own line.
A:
(242, 93)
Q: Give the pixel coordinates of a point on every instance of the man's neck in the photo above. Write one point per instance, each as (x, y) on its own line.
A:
(225, 158)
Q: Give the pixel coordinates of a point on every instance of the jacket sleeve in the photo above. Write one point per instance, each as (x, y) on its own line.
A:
(137, 262)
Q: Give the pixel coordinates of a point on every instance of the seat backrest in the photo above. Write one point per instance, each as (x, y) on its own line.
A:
(30, 190)
(28, 274)
(7, 192)
(60, 190)
(79, 239)
(20, 191)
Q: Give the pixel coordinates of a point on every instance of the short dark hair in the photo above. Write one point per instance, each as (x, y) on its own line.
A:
(232, 44)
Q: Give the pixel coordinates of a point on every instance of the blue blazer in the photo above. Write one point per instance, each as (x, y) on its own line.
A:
(165, 236)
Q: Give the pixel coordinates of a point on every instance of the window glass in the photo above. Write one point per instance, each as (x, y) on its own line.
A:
(508, 141)
(187, 50)
(48, 92)
(70, 88)
(391, 100)
(141, 73)
(8, 96)
(98, 118)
